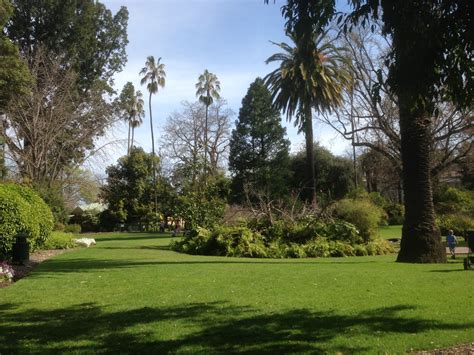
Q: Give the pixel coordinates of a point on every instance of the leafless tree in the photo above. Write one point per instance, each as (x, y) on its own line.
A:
(183, 142)
(370, 118)
(54, 127)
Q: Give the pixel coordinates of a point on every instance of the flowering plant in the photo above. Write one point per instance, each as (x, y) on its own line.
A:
(6, 271)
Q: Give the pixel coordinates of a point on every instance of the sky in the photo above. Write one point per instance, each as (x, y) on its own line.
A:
(230, 38)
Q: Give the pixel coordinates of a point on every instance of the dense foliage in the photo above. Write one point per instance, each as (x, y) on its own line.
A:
(316, 239)
(259, 151)
(129, 190)
(23, 211)
(455, 210)
(333, 174)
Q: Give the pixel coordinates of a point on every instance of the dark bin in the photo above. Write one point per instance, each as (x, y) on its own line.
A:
(21, 249)
(469, 236)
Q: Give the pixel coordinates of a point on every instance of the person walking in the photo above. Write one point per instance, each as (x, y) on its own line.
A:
(451, 240)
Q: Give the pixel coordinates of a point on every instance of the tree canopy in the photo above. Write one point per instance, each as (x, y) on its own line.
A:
(259, 151)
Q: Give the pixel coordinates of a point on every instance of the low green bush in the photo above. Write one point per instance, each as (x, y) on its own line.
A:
(244, 242)
(59, 240)
(395, 214)
(40, 213)
(23, 211)
(362, 213)
(73, 228)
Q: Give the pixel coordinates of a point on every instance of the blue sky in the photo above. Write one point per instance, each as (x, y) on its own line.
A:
(230, 38)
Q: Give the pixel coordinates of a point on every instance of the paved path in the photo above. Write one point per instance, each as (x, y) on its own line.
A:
(459, 250)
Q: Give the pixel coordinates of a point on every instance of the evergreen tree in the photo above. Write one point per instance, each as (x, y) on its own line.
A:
(259, 151)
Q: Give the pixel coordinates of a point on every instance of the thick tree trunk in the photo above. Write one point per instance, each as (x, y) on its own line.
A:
(421, 241)
(310, 154)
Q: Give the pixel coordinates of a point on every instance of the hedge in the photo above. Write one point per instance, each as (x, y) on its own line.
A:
(22, 210)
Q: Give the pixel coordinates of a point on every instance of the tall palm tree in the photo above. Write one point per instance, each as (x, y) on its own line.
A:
(153, 75)
(126, 106)
(138, 114)
(207, 89)
(311, 75)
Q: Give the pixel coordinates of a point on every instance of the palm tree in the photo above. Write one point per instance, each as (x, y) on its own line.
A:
(138, 113)
(153, 74)
(207, 89)
(311, 76)
(126, 106)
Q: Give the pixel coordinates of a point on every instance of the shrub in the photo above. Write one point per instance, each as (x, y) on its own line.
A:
(457, 222)
(73, 228)
(338, 248)
(379, 247)
(40, 212)
(59, 240)
(22, 210)
(59, 227)
(361, 213)
(342, 231)
(318, 247)
(452, 200)
(395, 213)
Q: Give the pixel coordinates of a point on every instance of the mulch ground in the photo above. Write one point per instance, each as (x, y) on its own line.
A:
(42, 255)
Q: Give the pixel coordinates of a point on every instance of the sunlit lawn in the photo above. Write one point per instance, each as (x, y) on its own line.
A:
(130, 294)
(389, 232)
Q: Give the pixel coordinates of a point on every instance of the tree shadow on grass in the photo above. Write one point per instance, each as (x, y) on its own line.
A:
(56, 266)
(201, 327)
(129, 236)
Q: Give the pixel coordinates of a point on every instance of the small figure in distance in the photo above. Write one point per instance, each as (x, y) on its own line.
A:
(452, 241)
(162, 227)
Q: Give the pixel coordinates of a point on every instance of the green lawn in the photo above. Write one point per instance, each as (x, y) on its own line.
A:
(130, 294)
(388, 232)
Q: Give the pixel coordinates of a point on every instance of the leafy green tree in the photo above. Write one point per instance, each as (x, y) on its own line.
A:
(431, 58)
(259, 151)
(311, 76)
(207, 89)
(333, 176)
(154, 76)
(84, 33)
(14, 75)
(129, 187)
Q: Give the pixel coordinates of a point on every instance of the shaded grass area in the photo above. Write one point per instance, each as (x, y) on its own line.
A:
(131, 294)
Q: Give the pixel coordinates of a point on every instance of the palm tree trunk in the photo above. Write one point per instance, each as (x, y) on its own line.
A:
(153, 155)
(128, 139)
(205, 143)
(310, 154)
(133, 137)
(421, 240)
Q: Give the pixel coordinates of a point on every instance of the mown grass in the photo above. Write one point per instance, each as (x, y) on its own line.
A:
(131, 294)
(389, 232)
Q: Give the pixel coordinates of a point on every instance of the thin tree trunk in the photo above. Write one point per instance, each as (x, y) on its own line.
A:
(205, 143)
(421, 240)
(310, 154)
(128, 139)
(133, 137)
(153, 155)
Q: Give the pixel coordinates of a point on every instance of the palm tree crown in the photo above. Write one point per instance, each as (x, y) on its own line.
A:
(207, 88)
(312, 75)
(154, 74)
